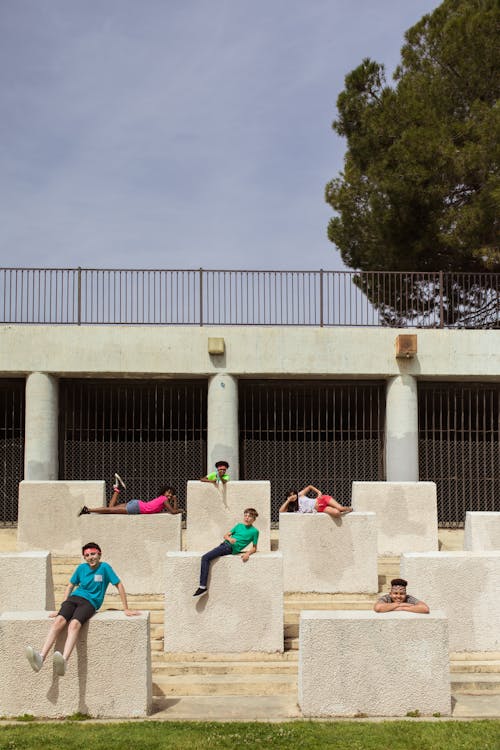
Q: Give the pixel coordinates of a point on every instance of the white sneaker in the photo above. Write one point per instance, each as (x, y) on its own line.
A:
(119, 480)
(59, 663)
(34, 658)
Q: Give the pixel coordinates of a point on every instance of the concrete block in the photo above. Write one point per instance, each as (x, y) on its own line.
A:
(243, 610)
(108, 674)
(26, 581)
(353, 662)
(406, 514)
(465, 585)
(48, 514)
(330, 555)
(135, 546)
(482, 531)
(214, 509)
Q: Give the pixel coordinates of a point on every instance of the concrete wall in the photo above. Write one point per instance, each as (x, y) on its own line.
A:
(48, 514)
(482, 531)
(108, 674)
(212, 510)
(243, 610)
(135, 546)
(329, 555)
(26, 581)
(406, 514)
(375, 664)
(465, 585)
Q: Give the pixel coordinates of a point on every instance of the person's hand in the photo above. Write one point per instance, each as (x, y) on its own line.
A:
(131, 612)
(52, 614)
(231, 540)
(245, 556)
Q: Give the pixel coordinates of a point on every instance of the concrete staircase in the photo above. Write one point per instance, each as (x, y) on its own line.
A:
(251, 675)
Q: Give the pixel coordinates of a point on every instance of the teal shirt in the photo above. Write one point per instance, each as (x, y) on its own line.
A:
(244, 535)
(92, 584)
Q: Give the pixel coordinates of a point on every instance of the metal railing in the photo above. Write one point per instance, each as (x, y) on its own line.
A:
(86, 296)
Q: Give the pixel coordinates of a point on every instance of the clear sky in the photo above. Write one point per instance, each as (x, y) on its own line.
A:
(178, 133)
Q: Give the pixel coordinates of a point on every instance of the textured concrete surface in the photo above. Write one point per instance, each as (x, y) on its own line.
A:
(135, 546)
(108, 674)
(26, 581)
(213, 510)
(375, 664)
(48, 514)
(466, 586)
(482, 531)
(329, 555)
(243, 610)
(406, 514)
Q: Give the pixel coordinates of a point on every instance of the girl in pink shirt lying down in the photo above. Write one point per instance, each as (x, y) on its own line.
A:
(166, 501)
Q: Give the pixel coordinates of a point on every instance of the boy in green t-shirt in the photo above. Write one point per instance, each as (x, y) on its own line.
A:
(219, 475)
(234, 542)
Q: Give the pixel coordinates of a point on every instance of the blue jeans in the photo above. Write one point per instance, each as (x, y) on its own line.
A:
(223, 549)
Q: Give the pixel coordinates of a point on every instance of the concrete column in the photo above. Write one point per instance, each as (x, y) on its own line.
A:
(40, 446)
(222, 423)
(401, 430)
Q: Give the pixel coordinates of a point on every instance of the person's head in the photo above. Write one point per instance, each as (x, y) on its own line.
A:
(222, 467)
(249, 516)
(168, 491)
(398, 589)
(293, 497)
(92, 554)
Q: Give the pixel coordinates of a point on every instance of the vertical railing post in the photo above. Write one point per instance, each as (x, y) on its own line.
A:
(321, 297)
(441, 304)
(79, 311)
(201, 296)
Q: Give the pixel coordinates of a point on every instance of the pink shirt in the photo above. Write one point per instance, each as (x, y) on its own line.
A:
(153, 506)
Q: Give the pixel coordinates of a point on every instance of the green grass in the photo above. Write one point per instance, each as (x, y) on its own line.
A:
(362, 735)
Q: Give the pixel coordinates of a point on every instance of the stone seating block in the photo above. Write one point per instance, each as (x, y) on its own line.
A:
(135, 546)
(482, 531)
(26, 581)
(48, 514)
(243, 610)
(108, 674)
(214, 509)
(406, 514)
(465, 585)
(329, 555)
(353, 662)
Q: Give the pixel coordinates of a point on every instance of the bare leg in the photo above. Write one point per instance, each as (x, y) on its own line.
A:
(74, 628)
(56, 629)
(342, 509)
(120, 509)
(114, 498)
(332, 511)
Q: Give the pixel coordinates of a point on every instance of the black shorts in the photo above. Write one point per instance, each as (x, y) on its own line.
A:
(77, 608)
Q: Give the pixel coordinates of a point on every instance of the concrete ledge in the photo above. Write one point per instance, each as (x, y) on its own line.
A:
(374, 664)
(482, 531)
(465, 585)
(406, 514)
(108, 675)
(323, 554)
(213, 510)
(243, 610)
(48, 514)
(135, 546)
(26, 581)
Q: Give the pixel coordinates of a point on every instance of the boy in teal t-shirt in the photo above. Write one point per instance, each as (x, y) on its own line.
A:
(83, 597)
(234, 542)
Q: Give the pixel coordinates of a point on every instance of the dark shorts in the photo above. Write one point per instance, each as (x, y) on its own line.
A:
(133, 508)
(76, 608)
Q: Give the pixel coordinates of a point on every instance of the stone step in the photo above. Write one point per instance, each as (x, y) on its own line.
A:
(247, 668)
(227, 657)
(229, 684)
(475, 667)
(475, 684)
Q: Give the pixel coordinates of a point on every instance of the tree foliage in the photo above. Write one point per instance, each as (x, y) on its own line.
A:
(420, 189)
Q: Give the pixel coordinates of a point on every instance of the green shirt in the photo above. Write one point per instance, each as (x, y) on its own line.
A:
(214, 474)
(243, 535)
